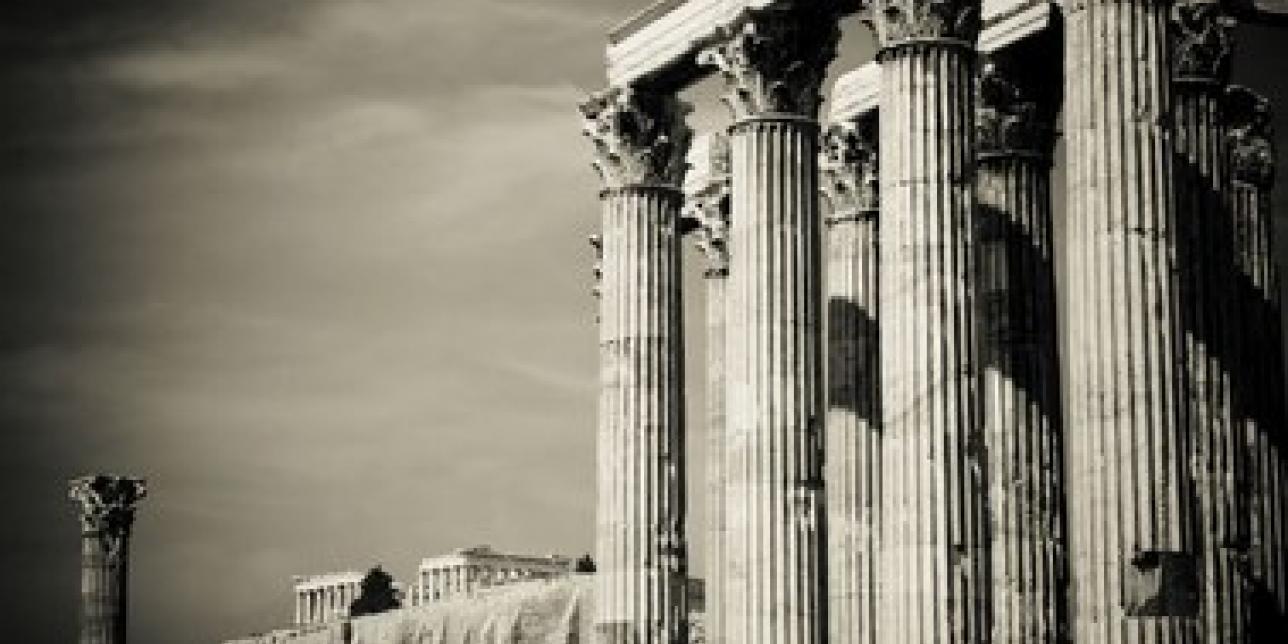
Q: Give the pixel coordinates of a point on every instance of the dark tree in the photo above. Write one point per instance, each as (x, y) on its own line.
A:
(584, 564)
(378, 594)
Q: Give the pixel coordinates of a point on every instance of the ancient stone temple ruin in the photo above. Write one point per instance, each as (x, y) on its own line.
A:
(106, 504)
(325, 598)
(936, 413)
(469, 571)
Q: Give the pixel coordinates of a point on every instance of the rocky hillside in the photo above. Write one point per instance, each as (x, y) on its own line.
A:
(538, 612)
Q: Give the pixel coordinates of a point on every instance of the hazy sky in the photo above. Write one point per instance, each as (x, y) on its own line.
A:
(315, 268)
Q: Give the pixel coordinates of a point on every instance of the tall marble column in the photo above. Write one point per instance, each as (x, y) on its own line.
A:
(852, 469)
(1133, 558)
(107, 504)
(933, 545)
(707, 210)
(1260, 408)
(640, 141)
(1019, 353)
(1200, 72)
(775, 568)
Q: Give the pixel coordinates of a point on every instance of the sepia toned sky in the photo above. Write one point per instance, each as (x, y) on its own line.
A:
(317, 269)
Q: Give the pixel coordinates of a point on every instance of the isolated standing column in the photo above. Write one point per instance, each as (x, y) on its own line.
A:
(1019, 355)
(853, 441)
(933, 545)
(107, 504)
(640, 141)
(1132, 556)
(773, 66)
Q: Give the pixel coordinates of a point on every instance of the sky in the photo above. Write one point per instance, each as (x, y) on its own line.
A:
(318, 270)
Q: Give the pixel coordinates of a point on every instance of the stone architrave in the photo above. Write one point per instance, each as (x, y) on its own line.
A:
(1260, 407)
(773, 66)
(640, 141)
(848, 181)
(933, 559)
(1200, 34)
(1133, 558)
(707, 210)
(107, 505)
(1019, 353)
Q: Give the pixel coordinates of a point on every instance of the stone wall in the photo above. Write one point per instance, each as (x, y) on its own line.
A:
(538, 612)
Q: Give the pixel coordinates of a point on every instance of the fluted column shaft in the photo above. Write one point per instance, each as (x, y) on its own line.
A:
(775, 580)
(707, 215)
(1019, 356)
(1259, 405)
(709, 211)
(933, 557)
(107, 506)
(641, 521)
(852, 469)
(104, 588)
(1269, 452)
(1132, 551)
(774, 353)
(1200, 52)
(641, 143)
(717, 477)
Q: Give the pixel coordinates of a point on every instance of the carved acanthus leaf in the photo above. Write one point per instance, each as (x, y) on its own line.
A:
(710, 213)
(107, 504)
(775, 62)
(901, 22)
(1251, 135)
(1008, 117)
(1201, 41)
(640, 138)
(706, 201)
(848, 172)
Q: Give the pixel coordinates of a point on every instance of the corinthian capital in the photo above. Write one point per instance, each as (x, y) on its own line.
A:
(1011, 117)
(1200, 41)
(107, 503)
(712, 233)
(848, 175)
(907, 22)
(775, 62)
(640, 138)
(706, 207)
(1252, 152)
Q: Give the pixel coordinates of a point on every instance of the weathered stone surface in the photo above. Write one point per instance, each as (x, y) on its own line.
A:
(641, 546)
(473, 569)
(774, 573)
(657, 47)
(1020, 376)
(775, 62)
(1260, 406)
(707, 208)
(550, 612)
(325, 598)
(640, 138)
(1201, 50)
(856, 93)
(933, 558)
(107, 506)
(1132, 514)
(849, 177)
